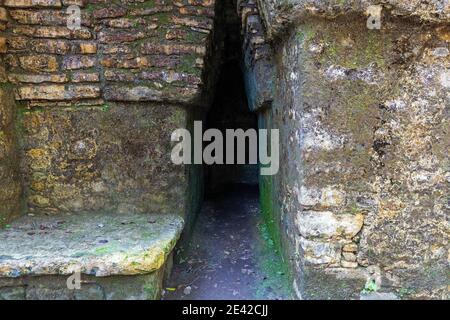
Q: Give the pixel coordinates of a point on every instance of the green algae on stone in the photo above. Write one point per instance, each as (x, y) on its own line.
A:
(103, 245)
(271, 262)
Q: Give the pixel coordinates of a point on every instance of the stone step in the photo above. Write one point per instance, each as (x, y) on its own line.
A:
(116, 256)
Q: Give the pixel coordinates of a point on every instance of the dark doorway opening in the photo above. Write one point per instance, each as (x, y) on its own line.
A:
(230, 111)
(229, 255)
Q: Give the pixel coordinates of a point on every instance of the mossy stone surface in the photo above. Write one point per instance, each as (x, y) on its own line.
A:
(98, 245)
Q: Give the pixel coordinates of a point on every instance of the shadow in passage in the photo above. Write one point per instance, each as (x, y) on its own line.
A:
(228, 256)
(230, 111)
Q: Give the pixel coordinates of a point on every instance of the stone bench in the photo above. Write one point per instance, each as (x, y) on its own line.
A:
(116, 256)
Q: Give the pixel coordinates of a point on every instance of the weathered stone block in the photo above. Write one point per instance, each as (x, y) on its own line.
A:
(321, 198)
(111, 12)
(78, 62)
(91, 291)
(42, 17)
(39, 63)
(112, 266)
(87, 48)
(327, 225)
(58, 92)
(331, 284)
(379, 296)
(50, 46)
(3, 46)
(170, 49)
(141, 93)
(3, 14)
(317, 252)
(138, 287)
(12, 293)
(120, 36)
(37, 78)
(85, 77)
(32, 3)
(52, 32)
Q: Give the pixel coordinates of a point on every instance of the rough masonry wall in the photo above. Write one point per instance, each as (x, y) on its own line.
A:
(259, 77)
(280, 13)
(98, 104)
(10, 188)
(364, 119)
(141, 287)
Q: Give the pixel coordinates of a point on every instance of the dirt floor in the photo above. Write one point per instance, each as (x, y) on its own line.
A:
(230, 255)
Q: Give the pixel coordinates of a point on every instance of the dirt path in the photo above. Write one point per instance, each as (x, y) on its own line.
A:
(230, 256)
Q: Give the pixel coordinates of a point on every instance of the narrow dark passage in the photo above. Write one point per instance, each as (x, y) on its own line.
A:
(230, 255)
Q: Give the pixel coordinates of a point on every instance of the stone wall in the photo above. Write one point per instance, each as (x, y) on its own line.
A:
(97, 105)
(260, 84)
(142, 287)
(278, 14)
(10, 189)
(361, 200)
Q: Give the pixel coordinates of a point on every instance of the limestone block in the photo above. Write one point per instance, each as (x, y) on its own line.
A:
(78, 62)
(327, 197)
(39, 63)
(41, 17)
(57, 92)
(319, 252)
(139, 93)
(12, 293)
(32, 3)
(99, 245)
(3, 14)
(379, 296)
(52, 32)
(37, 78)
(327, 225)
(139, 287)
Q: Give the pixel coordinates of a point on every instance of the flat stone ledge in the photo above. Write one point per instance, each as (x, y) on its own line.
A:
(98, 245)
